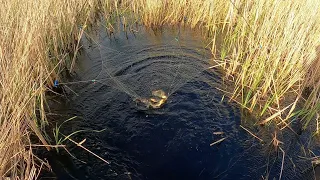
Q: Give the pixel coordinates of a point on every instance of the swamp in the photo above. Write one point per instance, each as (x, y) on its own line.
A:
(154, 89)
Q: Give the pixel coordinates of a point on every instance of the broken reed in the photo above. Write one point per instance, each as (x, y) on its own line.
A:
(267, 50)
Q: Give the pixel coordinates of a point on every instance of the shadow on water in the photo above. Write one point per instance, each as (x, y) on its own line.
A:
(172, 142)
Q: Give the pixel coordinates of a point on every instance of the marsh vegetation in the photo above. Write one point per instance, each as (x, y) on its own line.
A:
(268, 49)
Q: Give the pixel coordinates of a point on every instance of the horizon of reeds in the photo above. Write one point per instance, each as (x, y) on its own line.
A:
(268, 49)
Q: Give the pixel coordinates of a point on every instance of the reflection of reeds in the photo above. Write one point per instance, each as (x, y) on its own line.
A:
(267, 48)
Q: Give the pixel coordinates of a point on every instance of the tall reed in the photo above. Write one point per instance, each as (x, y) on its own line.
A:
(35, 38)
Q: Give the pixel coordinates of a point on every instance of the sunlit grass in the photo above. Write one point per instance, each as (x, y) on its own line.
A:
(35, 39)
(266, 47)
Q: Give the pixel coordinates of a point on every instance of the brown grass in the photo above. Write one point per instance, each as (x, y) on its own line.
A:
(35, 37)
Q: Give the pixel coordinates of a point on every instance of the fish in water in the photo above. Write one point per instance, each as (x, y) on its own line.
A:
(155, 102)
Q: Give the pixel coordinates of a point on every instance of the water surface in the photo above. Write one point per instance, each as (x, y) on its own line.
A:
(172, 142)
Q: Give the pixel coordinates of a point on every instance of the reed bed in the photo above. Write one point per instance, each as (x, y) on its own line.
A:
(35, 39)
(266, 47)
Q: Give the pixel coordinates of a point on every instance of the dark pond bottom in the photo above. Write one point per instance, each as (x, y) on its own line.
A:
(172, 142)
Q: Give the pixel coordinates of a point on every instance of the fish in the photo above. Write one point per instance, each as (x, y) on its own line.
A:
(156, 105)
(155, 102)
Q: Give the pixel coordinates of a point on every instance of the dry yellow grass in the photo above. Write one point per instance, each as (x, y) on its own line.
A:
(35, 37)
(268, 49)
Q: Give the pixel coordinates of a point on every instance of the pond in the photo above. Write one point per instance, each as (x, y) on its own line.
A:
(175, 140)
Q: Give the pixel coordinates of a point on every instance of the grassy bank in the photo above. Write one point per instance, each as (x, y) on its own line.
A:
(35, 39)
(268, 49)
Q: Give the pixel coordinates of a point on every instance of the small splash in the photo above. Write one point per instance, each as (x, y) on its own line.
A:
(156, 101)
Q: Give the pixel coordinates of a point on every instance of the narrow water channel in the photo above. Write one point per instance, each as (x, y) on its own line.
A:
(171, 142)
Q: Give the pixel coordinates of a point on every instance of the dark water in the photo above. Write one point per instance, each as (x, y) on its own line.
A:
(168, 143)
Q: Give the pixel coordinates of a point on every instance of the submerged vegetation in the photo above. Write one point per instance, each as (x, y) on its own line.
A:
(268, 48)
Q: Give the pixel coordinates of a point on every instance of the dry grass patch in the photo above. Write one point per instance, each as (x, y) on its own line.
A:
(35, 38)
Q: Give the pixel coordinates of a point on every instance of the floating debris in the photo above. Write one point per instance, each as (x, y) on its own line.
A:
(217, 142)
(251, 133)
(218, 133)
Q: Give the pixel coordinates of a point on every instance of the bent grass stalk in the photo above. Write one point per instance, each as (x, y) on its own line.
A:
(59, 140)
